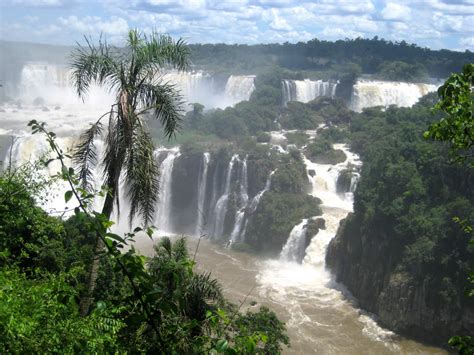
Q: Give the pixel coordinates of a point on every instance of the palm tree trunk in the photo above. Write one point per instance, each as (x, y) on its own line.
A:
(88, 298)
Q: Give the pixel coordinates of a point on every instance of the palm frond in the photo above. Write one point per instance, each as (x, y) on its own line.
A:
(142, 175)
(163, 51)
(85, 155)
(164, 102)
(164, 244)
(203, 294)
(179, 249)
(93, 64)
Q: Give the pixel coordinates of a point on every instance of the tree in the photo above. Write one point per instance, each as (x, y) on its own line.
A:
(457, 128)
(133, 73)
(456, 101)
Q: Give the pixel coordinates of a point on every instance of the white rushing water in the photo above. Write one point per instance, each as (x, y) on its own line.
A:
(235, 235)
(195, 86)
(163, 219)
(307, 90)
(239, 88)
(295, 285)
(221, 205)
(370, 93)
(295, 244)
(200, 87)
(202, 188)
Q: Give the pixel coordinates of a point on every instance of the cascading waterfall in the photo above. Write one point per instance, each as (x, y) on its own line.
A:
(221, 205)
(307, 90)
(51, 84)
(202, 186)
(194, 87)
(296, 243)
(31, 148)
(239, 88)
(163, 219)
(45, 83)
(251, 207)
(334, 207)
(254, 202)
(370, 93)
(243, 199)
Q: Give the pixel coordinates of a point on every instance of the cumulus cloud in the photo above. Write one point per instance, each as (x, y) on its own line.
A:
(115, 26)
(394, 11)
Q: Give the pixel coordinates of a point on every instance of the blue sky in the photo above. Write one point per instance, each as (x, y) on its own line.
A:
(431, 23)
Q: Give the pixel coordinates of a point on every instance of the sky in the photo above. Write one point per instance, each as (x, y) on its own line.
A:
(428, 23)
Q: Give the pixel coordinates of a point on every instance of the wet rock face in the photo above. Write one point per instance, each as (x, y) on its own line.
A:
(343, 183)
(185, 177)
(369, 267)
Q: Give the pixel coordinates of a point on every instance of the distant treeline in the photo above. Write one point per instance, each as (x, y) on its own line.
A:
(389, 60)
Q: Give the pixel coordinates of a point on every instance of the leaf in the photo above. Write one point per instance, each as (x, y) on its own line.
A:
(67, 196)
(115, 237)
(222, 345)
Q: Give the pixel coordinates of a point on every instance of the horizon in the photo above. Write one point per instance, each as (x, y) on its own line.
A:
(433, 24)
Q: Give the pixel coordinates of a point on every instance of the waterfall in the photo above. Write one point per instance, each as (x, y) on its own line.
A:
(370, 93)
(334, 206)
(244, 196)
(254, 203)
(195, 86)
(243, 199)
(32, 148)
(163, 219)
(307, 90)
(239, 218)
(295, 246)
(51, 84)
(249, 209)
(202, 184)
(221, 205)
(289, 91)
(239, 88)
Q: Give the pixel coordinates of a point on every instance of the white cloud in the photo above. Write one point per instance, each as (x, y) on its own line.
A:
(116, 26)
(278, 23)
(337, 33)
(467, 43)
(394, 11)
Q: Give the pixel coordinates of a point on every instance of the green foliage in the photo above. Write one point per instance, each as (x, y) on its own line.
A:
(276, 215)
(321, 151)
(298, 115)
(28, 236)
(41, 315)
(291, 176)
(297, 138)
(464, 344)
(341, 57)
(266, 324)
(263, 137)
(457, 103)
(402, 71)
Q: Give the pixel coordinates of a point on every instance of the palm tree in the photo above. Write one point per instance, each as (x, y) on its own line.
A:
(193, 294)
(133, 74)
